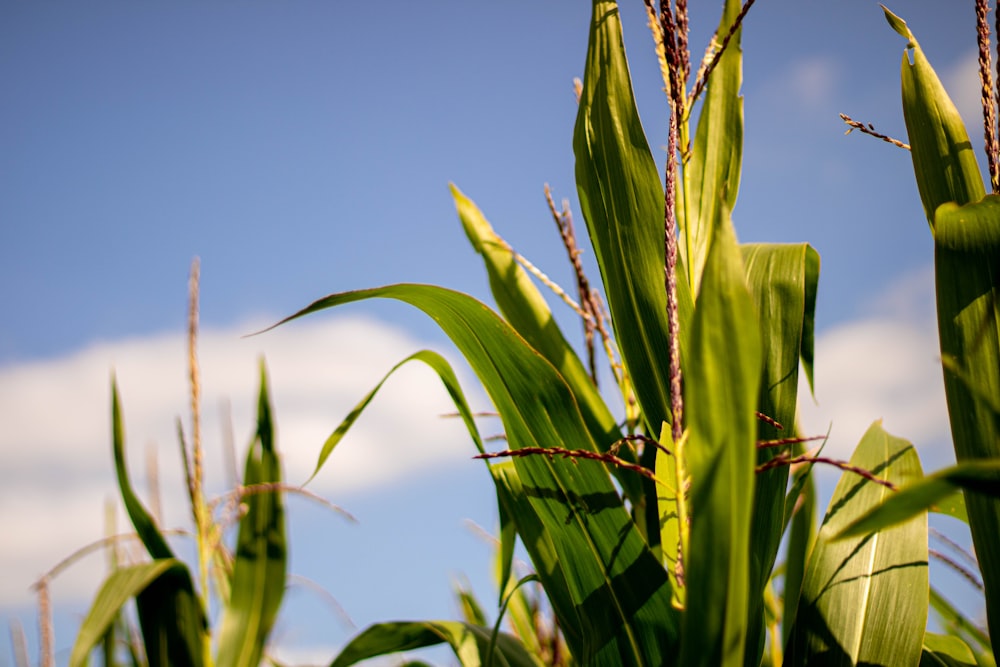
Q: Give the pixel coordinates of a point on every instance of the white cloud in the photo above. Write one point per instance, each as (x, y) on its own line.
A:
(883, 366)
(57, 471)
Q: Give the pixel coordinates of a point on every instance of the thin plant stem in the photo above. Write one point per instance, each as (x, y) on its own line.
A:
(199, 509)
(46, 636)
(965, 572)
(19, 643)
(784, 459)
(870, 131)
(957, 548)
(988, 100)
(564, 223)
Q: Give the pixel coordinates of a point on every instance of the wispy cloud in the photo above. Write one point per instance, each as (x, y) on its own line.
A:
(57, 470)
(883, 366)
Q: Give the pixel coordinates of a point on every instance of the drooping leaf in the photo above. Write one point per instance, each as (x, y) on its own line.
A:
(863, 600)
(470, 642)
(967, 280)
(171, 617)
(120, 586)
(618, 588)
(261, 558)
(978, 476)
(720, 395)
(444, 371)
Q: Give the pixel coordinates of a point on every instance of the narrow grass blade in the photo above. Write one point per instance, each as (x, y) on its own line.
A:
(967, 284)
(143, 522)
(441, 366)
(524, 307)
(120, 586)
(979, 476)
(258, 582)
(720, 396)
(783, 280)
(620, 590)
(471, 643)
(712, 177)
(171, 617)
(864, 600)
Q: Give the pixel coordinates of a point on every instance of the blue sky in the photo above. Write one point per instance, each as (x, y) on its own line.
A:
(306, 148)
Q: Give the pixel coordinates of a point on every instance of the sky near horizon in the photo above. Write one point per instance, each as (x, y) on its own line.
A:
(307, 148)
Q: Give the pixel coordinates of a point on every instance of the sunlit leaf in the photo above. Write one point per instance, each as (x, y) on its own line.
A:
(967, 283)
(720, 395)
(616, 585)
(863, 600)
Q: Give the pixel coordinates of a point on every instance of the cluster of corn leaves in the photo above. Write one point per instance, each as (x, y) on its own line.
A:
(628, 582)
(173, 627)
(633, 576)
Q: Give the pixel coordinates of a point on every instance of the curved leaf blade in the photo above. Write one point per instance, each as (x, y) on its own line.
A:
(171, 616)
(524, 307)
(617, 584)
(979, 476)
(447, 375)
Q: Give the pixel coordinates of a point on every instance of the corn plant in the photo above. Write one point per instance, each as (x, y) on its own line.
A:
(172, 611)
(656, 538)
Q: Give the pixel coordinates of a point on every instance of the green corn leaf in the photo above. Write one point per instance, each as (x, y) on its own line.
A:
(120, 586)
(524, 307)
(258, 582)
(622, 201)
(551, 570)
(864, 600)
(619, 589)
(783, 280)
(470, 642)
(440, 366)
(143, 522)
(171, 617)
(720, 395)
(967, 285)
(621, 198)
(981, 477)
(712, 177)
(943, 160)
(801, 516)
(946, 651)
(973, 228)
